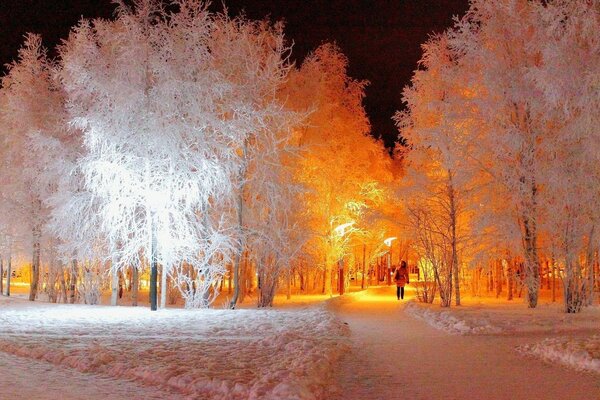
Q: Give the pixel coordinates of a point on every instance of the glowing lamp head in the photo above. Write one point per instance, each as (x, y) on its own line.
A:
(388, 241)
(340, 230)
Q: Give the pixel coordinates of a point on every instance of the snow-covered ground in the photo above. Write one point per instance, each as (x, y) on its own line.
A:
(582, 354)
(216, 354)
(300, 350)
(569, 339)
(22, 378)
(396, 356)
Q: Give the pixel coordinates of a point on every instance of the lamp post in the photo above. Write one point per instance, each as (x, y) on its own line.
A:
(340, 230)
(388, 242)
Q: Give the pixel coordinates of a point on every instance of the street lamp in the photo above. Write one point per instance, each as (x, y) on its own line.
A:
(388, 243)
(340, 230)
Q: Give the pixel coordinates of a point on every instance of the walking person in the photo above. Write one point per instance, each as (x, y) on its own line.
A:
(401, 278)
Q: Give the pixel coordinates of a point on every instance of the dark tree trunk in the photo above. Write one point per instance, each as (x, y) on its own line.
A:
(240, 214)
(453, 238)
(8, 275)
(35, 263)
(73, 281)
(134, 285)
(510, 277)
(341, 276)
(362, 283)
(153, 272)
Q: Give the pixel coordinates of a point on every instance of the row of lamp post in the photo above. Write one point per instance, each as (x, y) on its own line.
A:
(340, 230)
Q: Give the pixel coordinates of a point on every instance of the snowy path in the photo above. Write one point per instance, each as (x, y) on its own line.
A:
(23, 378)
(397, 357)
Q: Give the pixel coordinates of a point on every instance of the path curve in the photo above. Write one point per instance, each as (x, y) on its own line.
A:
(395, 356)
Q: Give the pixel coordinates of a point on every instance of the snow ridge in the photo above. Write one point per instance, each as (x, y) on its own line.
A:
(445, 321)
(579, 354)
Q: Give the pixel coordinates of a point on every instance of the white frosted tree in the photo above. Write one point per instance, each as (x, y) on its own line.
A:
(493, 60)
(252, 59)
(567, 75)
(33, 123)
(275, 226)
(152, 154)
(168, 103)
(524, 112)
(442, 178)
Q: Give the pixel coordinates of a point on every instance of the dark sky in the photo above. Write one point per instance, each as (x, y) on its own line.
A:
(381, 38)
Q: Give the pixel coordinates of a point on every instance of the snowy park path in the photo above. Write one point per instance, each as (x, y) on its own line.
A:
(397, 357)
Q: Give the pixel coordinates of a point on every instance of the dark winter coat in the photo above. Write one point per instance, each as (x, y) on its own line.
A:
(401, 277)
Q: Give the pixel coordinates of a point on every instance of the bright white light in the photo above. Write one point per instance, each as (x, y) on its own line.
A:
(340, 230)
(388, 241)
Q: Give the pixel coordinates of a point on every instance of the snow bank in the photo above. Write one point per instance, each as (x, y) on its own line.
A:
(449, 322)
(478, 316)
(581, 354)
(220, 354)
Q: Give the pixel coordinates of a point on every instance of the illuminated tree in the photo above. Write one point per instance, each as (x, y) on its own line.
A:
(340, 161)
(275, 227)
(170, 105)
(33, 122)
(493, 59)
(251, 58)
(567, 76)
(440, 185)
(155, 143)
(498, 94)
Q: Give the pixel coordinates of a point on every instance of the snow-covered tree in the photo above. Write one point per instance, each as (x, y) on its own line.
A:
(567, 75)
(251, 57)
(340, 162)
(152, 158)
(441, 178)
(521, 109)
(168, 104)
(33, 126)
(493, 59)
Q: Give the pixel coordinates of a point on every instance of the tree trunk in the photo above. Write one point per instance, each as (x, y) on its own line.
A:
(8, 275)
(589, 296)
(453, 239)
(289, 284)
(341, 276)
(532, 268)
(229, 278)
(370, 271)
(328, 272)
(509, 273)
(498, 279)
(553, 279)
(303, 283)
(63, 283)
(135, 283)
(73, 281)
(114, 284)
(163, 286)
(153, 270)
(240, 214)
(35, 264)
(362, 282)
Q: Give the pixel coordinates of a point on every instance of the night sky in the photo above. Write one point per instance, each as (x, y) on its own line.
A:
(381, 38)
